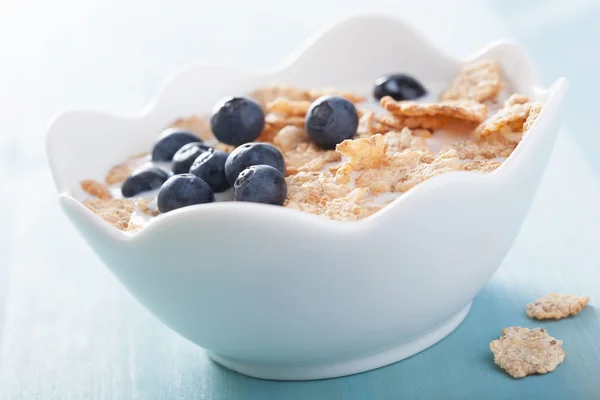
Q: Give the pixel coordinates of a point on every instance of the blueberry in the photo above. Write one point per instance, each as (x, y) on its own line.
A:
(331, 120)
(210, 167)
(183, 190)
(185, 156)
(169, 142)
(251, 154)
(143, 179)
(399, 87)
(260, 184)
(237, 120)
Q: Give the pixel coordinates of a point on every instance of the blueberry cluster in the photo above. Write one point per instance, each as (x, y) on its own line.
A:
(255, 170)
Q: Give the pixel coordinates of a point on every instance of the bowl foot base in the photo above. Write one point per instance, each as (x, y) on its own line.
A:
(308, 371)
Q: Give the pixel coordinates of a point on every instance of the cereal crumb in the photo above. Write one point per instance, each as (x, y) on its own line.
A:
(398, 141)
(290, 137)
(516, 98)
(307, 157)
(314, 94)
(364, 153)
(423, 133)
(95, 188)
(370, 123)
(198, 126)
(556, 306)
(429, 123)
(508, 120)
(268, 94)
(275, 123)
(421, 171)
(132, 227)
(488, 147)
(481, 166)
(462, 110)
(534, 112)
(521, 352)
(144, 206)
(116, 212)
(227, 148)
(288, 108)
(478, 81)
(118, 174)
(318, 193)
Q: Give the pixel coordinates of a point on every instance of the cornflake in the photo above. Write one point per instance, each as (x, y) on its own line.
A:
(270, 93)
(95, 188)
(144, 206)
(398, 141)
(556, 306)
(510, 119)
(521, 352)
(401, 164)
(486, 148)
(266, 95)
(275, 122)
(461, 110)
(481, 166)
(516, 98)
(364, 153)
(308, 157)
(319, 194)
(118, 174)
(116, 212)
(478, 81)
(290, 137)
(534, 112)
(446, 162)
(314, 94)
(289, 108)
(198, 126)
(370, 123)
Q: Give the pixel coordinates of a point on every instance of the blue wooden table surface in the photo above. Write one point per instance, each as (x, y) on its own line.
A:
(68, 330)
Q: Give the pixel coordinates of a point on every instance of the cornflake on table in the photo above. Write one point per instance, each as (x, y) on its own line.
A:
(556, 306)
(521, 351)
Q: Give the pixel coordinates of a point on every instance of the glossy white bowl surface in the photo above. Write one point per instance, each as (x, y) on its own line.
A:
(280, 294)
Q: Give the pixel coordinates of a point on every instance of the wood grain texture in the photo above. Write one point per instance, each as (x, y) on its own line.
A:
(68, 330)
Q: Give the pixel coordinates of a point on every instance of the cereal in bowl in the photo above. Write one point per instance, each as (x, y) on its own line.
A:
(328, 152)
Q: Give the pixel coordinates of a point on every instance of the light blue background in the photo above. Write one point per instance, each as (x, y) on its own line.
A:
(68, 330)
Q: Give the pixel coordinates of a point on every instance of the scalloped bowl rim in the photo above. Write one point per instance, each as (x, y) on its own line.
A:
(68, 201)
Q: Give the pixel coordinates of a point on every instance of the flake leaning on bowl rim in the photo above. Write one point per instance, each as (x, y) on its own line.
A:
(116, 212)
(144, 206)
(95, 188)
(477, 81)
(118, 174)
(516, 116)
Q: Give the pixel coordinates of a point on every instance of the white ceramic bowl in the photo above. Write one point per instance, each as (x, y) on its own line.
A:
(277, 293)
